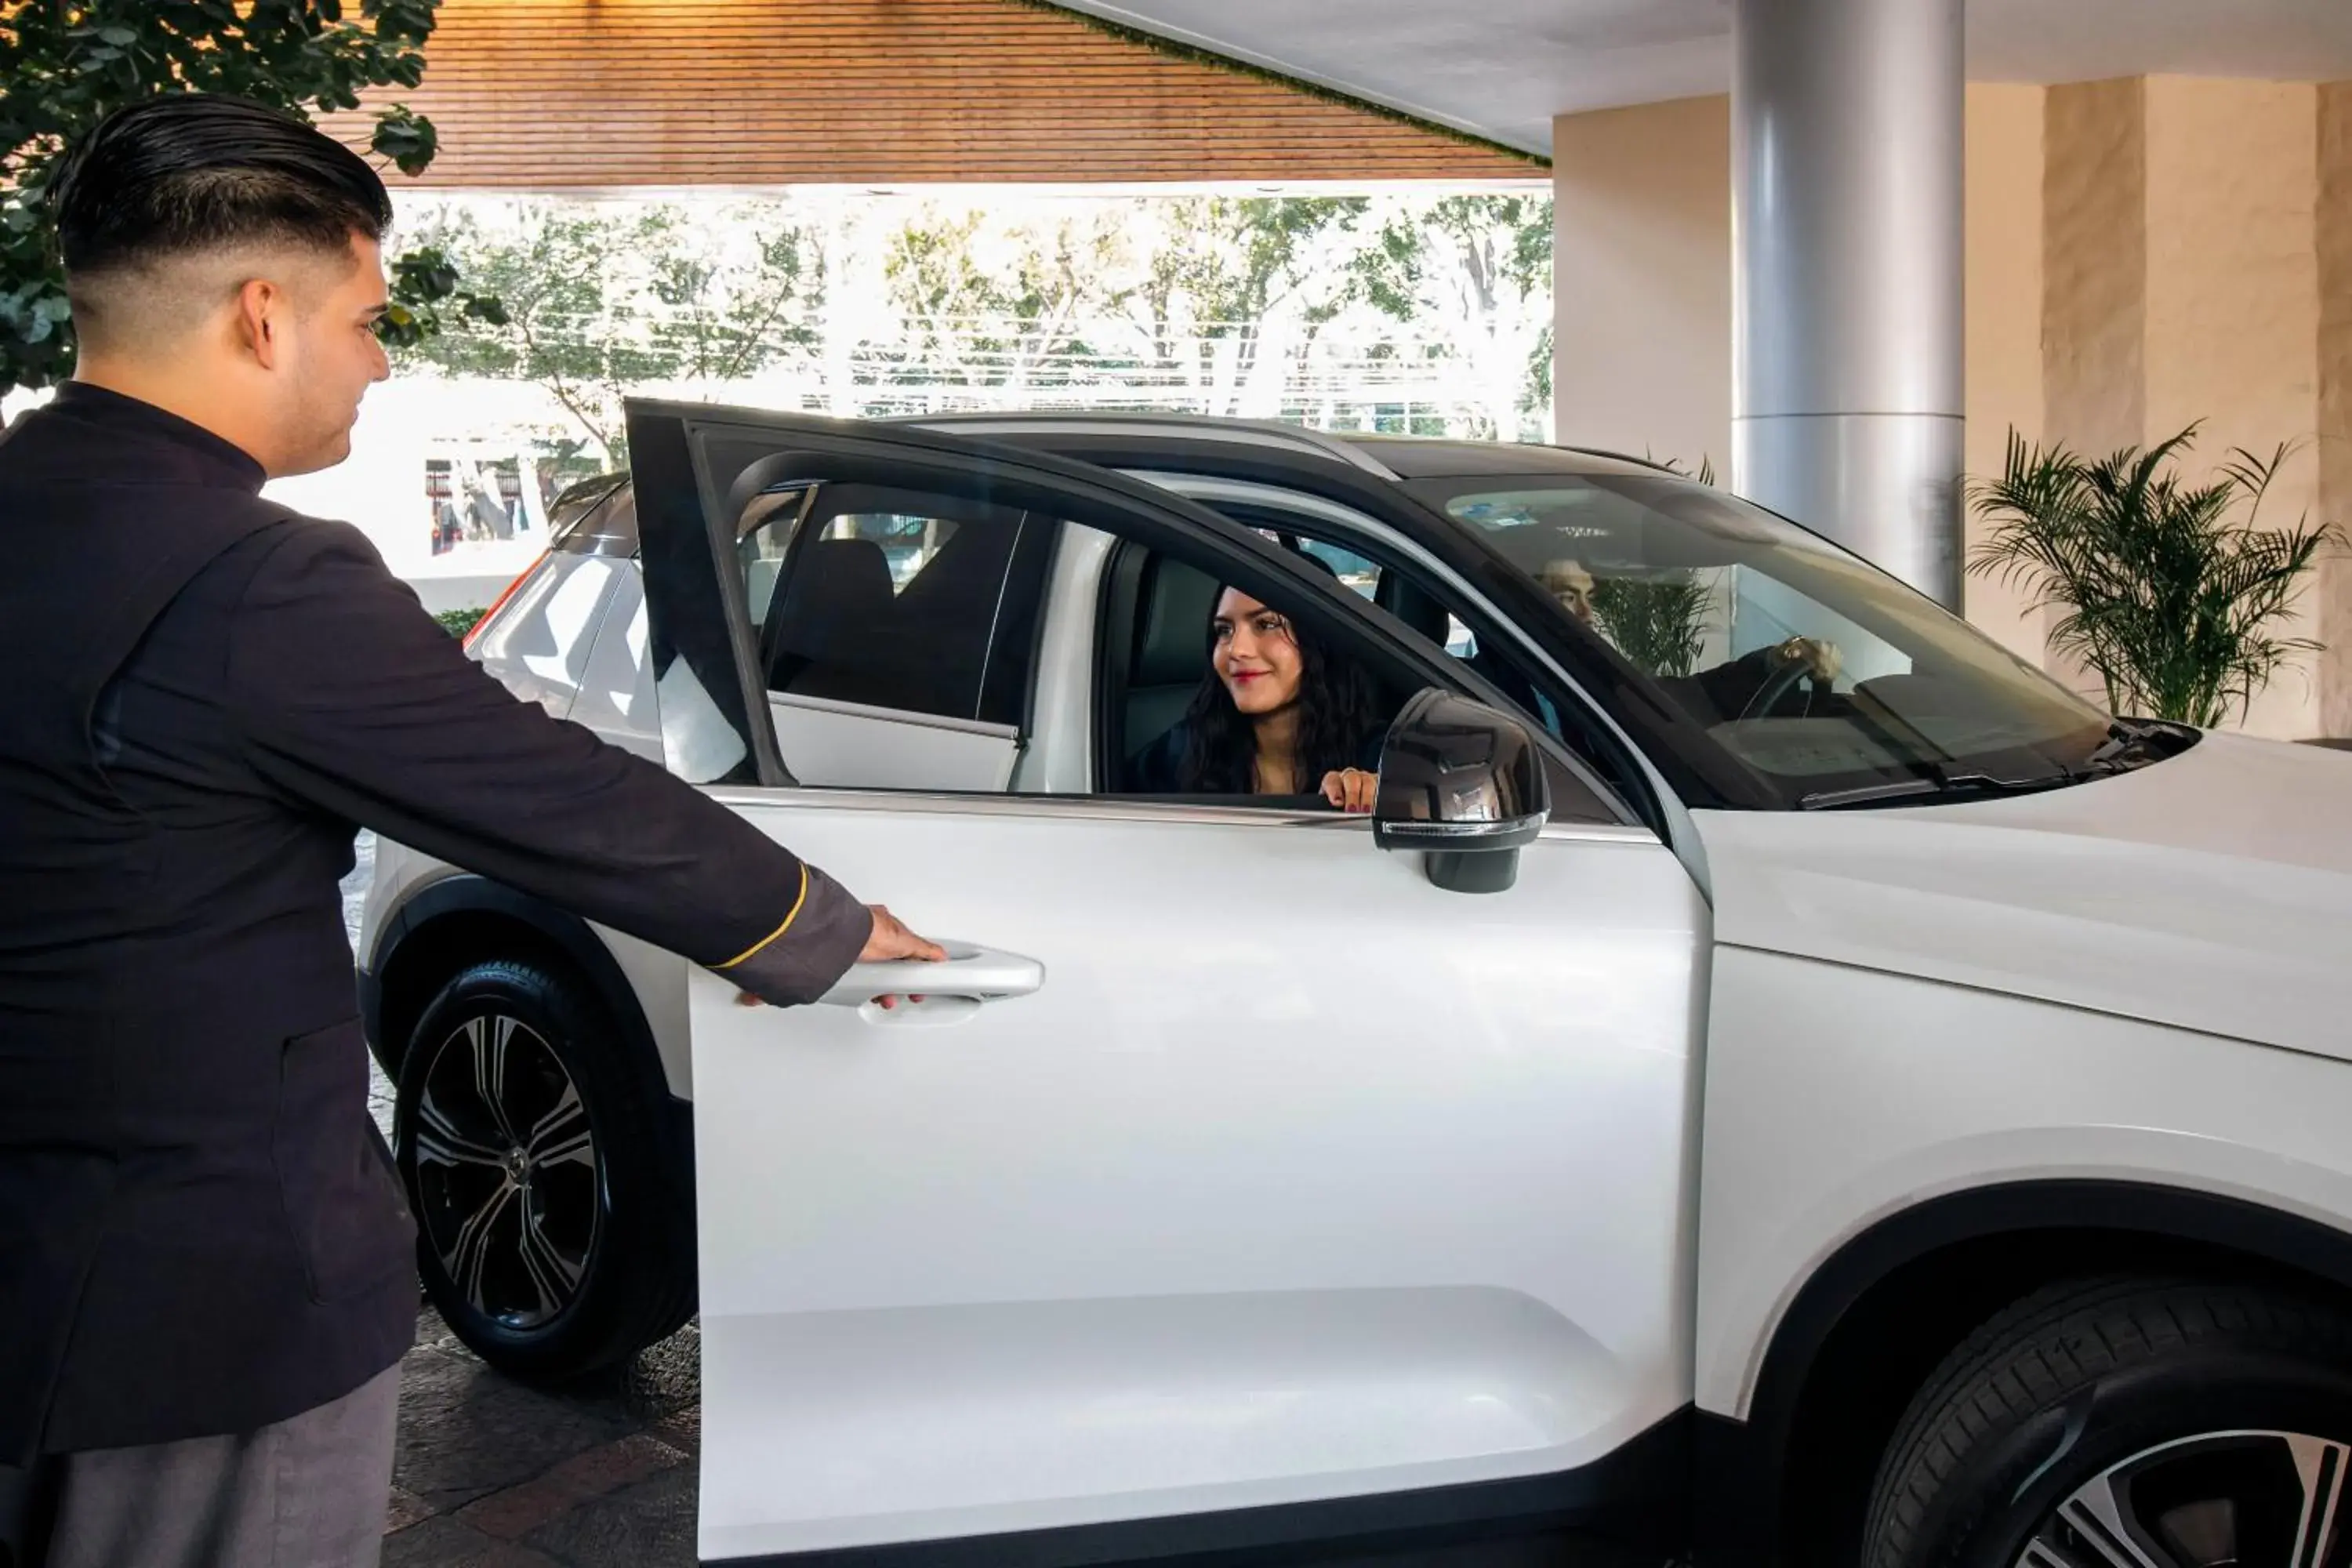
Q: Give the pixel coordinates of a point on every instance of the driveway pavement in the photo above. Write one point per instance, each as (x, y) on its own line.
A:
(492, 1473)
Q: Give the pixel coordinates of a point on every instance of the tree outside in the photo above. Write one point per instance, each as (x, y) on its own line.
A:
(1388, 311)
(599, 298)
(1482, 267)
(68, 67)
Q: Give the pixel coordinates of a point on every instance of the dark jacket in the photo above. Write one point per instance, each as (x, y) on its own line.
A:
(1723, 693)
(199, 1230)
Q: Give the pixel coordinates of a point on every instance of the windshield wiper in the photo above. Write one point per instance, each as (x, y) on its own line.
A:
(2135, 742)
(1938, 783)
(2131, 745)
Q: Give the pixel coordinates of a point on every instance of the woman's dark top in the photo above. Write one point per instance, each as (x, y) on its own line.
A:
(1159, 768)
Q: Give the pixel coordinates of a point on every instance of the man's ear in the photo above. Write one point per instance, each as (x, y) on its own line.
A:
(263, 312)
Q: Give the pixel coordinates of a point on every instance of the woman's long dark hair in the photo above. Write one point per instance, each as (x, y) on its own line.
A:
(1336, 712)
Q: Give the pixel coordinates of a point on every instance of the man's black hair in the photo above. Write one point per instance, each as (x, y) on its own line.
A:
(197, 171)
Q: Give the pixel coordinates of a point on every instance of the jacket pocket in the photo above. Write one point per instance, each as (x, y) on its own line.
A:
(342, 1204)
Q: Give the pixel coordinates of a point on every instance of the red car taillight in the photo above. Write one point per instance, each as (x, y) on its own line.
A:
(500, 601)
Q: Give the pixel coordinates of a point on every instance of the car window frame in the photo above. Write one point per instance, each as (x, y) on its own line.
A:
(1109, 738)
(1027, 565)
(1627, 785)
(1681, 768)
(682, 522)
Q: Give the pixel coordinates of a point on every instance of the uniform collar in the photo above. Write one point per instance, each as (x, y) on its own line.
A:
(181, 451)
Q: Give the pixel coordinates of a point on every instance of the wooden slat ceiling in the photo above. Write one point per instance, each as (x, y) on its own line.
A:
(553, 93)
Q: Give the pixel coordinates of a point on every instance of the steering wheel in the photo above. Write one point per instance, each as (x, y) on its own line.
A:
(1777, 687)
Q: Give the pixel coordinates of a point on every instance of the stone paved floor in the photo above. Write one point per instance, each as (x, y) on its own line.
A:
(499, 1475)
(493, 1474)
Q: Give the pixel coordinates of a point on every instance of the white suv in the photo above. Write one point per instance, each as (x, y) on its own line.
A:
(1797, 1070)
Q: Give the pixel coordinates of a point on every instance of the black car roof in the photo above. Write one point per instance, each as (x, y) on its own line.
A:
(584, 523)
(1437, 458)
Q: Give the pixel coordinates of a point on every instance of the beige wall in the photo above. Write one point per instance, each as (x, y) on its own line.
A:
(2095, 265)
(2004, 284)
(1642, 280)
(2183, 285)
(2141, 254)
(2332, 221)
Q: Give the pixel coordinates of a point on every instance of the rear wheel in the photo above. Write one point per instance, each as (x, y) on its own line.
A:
(554, 1232)
(2128, 1423)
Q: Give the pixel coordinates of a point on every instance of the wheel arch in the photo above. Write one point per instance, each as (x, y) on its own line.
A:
(1868, 1325)
(454, 921)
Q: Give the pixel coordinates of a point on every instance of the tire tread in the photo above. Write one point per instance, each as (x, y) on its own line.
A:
(2046, 1347)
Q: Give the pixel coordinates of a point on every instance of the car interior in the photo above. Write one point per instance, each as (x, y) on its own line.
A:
(846, 628)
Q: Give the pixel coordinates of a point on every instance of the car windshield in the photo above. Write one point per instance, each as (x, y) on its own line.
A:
(1825, 679)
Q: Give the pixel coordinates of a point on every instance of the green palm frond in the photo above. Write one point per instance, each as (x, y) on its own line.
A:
(2154, 585)
(1658, 623)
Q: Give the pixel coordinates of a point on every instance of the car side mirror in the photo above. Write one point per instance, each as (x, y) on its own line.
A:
(1465, 785)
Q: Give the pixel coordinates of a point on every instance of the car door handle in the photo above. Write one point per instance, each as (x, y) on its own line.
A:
(971, 974)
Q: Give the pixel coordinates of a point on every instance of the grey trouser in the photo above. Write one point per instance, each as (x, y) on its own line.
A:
(306, 1492)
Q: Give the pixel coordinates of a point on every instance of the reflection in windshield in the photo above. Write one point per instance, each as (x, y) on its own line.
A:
(1816, 672)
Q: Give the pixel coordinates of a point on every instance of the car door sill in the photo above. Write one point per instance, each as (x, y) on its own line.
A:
(1627, 1507)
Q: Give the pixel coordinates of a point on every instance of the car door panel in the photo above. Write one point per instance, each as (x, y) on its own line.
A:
(1297, 1179)
(850, 744)
(1284, 1186)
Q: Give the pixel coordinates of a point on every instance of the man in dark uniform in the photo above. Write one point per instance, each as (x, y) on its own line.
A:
(206, 1268)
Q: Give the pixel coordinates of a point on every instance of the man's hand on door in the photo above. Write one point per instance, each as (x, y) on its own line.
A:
(890, 940)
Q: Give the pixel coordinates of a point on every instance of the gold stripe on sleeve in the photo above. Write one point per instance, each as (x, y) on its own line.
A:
(780, 930)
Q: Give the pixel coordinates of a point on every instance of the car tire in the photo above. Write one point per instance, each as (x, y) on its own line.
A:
(543, 1162)
(2200, 1422)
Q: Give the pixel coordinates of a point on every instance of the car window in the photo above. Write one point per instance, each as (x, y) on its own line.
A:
(1157, 671)
(595, 517)
(906, 601)
(1355, 572)
(1411, 598)
(1820, 676)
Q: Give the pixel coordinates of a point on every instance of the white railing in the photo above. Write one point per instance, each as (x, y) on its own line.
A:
(1357, 378)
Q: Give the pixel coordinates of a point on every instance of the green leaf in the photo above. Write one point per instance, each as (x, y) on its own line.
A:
(66, 67)
(405, 137)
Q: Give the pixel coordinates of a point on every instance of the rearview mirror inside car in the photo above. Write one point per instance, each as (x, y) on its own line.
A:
(1464, 784)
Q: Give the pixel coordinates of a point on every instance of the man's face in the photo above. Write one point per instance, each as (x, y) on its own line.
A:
(1571, 585)
(332, 356)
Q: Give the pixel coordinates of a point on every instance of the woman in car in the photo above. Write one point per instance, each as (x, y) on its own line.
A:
(1276, 714)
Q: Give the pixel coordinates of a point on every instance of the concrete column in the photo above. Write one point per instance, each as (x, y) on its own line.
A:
(1847, 139)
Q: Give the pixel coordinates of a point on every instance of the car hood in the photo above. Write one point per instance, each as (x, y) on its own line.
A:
(2210, 891)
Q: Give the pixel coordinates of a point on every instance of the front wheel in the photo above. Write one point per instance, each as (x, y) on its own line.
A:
(554, 1233)
(2128, 1423)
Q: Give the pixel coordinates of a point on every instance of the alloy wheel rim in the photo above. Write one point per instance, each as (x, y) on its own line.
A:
(2220, 1499)
(509, 1177)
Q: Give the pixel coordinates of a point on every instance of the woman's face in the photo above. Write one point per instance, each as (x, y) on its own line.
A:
(1254, 654)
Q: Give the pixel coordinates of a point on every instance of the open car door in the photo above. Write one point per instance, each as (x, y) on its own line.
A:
(1236, 1185)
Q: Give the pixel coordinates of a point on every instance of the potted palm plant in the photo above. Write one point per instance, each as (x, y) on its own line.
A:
(2162, 588)
(1658, 623)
